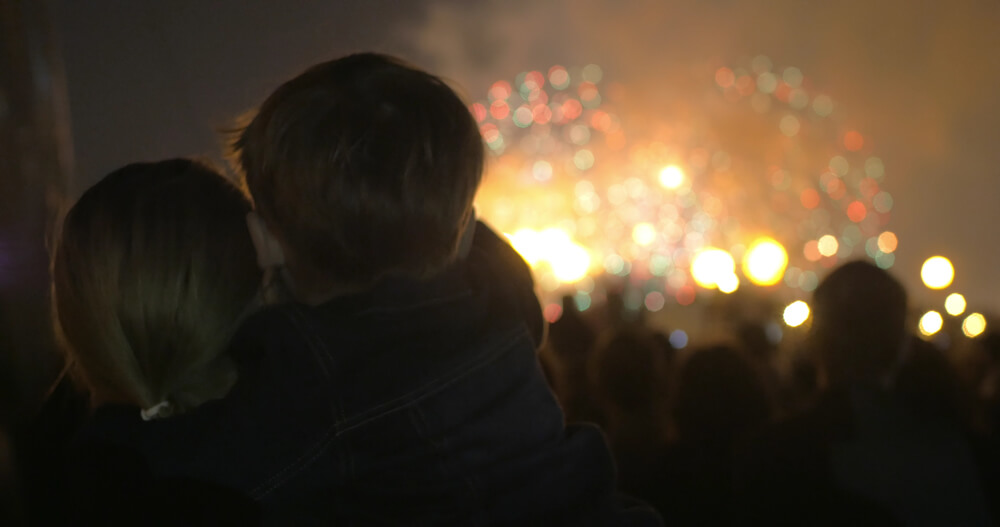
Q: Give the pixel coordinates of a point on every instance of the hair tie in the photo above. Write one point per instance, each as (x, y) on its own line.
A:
(156, 411)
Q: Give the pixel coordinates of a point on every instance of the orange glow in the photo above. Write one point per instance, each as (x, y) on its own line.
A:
(478, 111)
(615, 140)
(724, 77)
(490, 132)
(553, 312)
(541, 114)
(887, 242)
(856, 211)
(685, 295)
(809, 198)
(500, 91)
(836, 188)
(587, 91)
(869, 187)
(558, 77)
(811, 251)
(745, 85)
(571, 109)
(534, 80)
(782, 92)
(499, 109)
(600, 121)
(853, 141)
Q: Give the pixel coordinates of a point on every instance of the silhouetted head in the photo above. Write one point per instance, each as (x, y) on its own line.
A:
(755, 341)
(152, 274)
(719, 395)
(858, 328)
(628, 368)
(361, 167)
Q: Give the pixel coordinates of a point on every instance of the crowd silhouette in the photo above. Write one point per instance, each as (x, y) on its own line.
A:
(866, 424)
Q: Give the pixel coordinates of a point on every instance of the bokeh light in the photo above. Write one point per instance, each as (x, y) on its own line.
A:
(937, 272)
(796, 313)
(930, 323)
(678, 339)
(644, 233)
(552, 312)
(853, 141)
(712, 266)
(887, 242)
(827, 245)
(671, 176)
(638, 195)
(567, 260)
(765, 262)
(654, 301)
(954, 305)
(728, 283)
(974, 325)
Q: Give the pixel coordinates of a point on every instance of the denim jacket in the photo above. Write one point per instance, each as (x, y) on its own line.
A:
(414, 403)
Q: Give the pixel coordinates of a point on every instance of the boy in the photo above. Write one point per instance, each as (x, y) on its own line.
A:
(415, 326)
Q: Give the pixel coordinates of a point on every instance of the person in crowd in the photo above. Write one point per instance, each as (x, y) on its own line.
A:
(151, 276)
(986, 380)
(406, 370)
(720, 397)
(628, 374)
(862, 455)
(568, 347)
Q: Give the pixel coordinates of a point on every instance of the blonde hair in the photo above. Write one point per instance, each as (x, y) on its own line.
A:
(151, 275)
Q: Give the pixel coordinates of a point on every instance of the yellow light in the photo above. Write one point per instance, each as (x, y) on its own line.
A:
(765, 261)
(954, 304)
(528, 244)
(796, 313)
(974, 325)
(937, 272)
(671, 176)
(568, 260)
(728, 283)
(930, 323)
(827, 245)
(570, 263)
(710, 266)
(644, 233)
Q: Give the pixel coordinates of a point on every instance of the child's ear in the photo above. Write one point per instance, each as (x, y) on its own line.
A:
(269, 251)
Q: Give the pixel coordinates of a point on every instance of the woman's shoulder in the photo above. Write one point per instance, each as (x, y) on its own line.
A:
(112, 484)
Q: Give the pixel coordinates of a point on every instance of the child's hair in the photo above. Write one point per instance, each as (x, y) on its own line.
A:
(363, 166)
(151, 275)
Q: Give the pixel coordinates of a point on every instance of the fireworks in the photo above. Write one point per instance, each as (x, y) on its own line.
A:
(760, 172)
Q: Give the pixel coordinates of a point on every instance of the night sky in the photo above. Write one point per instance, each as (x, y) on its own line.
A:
(919, 80)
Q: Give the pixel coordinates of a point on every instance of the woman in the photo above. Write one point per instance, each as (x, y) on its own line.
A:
(152, 274)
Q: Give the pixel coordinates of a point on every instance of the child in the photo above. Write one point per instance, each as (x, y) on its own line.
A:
(405, 374)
